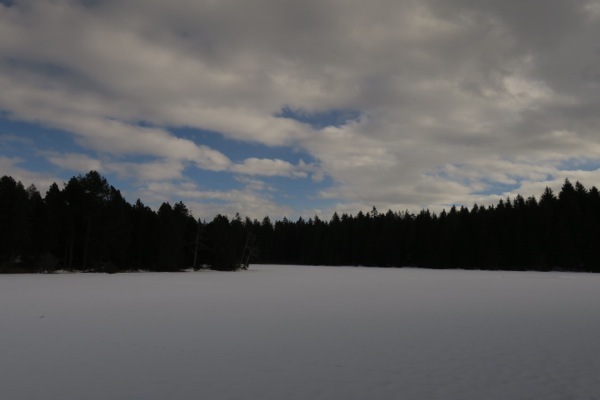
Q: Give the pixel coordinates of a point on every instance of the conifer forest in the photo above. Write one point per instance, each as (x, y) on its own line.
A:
(87, 225)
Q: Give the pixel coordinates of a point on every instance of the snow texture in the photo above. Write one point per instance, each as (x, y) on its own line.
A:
(297, 332)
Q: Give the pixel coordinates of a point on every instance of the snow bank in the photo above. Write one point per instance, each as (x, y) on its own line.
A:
(296, 332)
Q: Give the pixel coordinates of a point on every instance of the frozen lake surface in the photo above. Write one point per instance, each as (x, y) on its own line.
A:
(296, 332)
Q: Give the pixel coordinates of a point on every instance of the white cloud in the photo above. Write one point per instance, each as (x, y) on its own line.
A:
(255, 185)
(159, 170)
(75, 162)
(148, 171)
(271, 167)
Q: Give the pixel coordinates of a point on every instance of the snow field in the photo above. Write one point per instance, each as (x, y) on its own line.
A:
(298, 332)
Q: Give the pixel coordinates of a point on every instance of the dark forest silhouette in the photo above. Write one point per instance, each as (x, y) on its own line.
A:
(88, 226)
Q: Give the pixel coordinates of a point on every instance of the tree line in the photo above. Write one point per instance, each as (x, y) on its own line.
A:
(88, 226)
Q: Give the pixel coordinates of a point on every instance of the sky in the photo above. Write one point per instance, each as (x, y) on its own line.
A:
(302, 107)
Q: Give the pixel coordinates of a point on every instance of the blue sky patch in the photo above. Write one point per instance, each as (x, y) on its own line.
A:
(211, 180)
(31, 143)
(320, 120)
(295, 192)
(579, 164)
(497, 188)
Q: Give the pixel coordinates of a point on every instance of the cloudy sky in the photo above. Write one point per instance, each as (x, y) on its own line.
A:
(302, 107)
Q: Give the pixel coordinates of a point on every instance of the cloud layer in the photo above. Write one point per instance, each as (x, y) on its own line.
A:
(451, 100)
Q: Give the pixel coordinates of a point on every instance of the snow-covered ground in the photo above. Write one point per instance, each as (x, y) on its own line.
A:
(296, 332)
